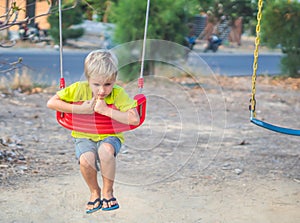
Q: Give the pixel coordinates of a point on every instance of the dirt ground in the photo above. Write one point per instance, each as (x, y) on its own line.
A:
(197, 158)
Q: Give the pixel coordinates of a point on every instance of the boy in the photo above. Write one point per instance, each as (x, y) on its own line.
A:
(100, 69)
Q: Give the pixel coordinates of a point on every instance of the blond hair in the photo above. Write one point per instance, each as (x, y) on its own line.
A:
(101, 62)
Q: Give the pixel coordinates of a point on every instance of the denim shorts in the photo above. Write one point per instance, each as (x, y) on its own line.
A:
(83, 145)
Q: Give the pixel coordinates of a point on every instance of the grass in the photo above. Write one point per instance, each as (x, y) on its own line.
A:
(22, 82)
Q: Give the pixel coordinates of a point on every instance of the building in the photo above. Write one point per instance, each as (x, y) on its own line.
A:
(30, 8)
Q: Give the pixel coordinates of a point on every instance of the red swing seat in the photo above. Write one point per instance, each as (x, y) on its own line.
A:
(100, 124)
(97, 123)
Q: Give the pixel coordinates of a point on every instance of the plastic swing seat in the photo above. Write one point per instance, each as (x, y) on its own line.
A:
(275, 128)
(97, 123)
(255, 121)
(100, 124)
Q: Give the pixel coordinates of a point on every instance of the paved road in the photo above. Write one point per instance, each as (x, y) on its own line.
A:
(241, 64)
(44, 64)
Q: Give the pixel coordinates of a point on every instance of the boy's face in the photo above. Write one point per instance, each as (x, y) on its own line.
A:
(100, 86)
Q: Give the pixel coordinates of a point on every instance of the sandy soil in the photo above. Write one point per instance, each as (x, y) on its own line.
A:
(196, 159)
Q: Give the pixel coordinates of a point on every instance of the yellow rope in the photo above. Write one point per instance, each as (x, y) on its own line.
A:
(257, 40)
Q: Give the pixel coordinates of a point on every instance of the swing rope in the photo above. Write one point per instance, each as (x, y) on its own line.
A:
(141, 78)
(97, 123)
(62, 80)
(252, 106)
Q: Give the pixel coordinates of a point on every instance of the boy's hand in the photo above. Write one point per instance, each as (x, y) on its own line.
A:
(87, 107)
(101, 107)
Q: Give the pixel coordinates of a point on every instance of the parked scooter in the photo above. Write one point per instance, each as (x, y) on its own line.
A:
(29, 33)
(23, 29)
(213, 43)
(190, 41)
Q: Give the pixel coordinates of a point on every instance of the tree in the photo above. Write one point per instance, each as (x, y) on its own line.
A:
(99, 8)
(167, 21)
(229, 10)
(11, 18)
(280, 27)
(234, 9)
(70, 16)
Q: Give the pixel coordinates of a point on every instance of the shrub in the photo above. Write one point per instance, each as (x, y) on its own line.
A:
(70, 17)
(280, 27)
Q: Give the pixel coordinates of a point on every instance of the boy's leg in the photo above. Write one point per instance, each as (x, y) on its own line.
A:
(86, 152)
(107, 155)
(89, 173)
(108, 170)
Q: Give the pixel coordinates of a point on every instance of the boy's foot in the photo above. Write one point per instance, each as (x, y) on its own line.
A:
(93, 206)
(110, 204)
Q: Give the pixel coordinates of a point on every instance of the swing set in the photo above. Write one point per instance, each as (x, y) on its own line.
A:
(252, 106)
(97, 123)
(100, 124)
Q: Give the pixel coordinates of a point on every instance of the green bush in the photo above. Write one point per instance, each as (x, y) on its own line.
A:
(290, 64)
(167, 21)
(281, 27)
(74, 33)
(72, 16)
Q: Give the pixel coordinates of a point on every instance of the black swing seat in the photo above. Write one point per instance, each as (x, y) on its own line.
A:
(275, 128)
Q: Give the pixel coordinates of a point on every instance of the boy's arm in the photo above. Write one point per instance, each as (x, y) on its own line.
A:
(57, 104)
(130, 117)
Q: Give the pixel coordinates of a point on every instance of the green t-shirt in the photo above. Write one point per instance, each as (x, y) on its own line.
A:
(80, 91)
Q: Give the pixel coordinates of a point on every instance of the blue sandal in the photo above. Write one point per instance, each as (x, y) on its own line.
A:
(115, 206)
(89, 211)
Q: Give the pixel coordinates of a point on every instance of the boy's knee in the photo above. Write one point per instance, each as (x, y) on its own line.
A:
(87, 159)
(106, 150)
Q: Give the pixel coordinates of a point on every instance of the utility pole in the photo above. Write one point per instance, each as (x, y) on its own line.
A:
(30, 11)
(6, 9)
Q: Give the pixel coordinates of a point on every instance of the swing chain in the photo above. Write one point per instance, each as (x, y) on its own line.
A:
(257, 41)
